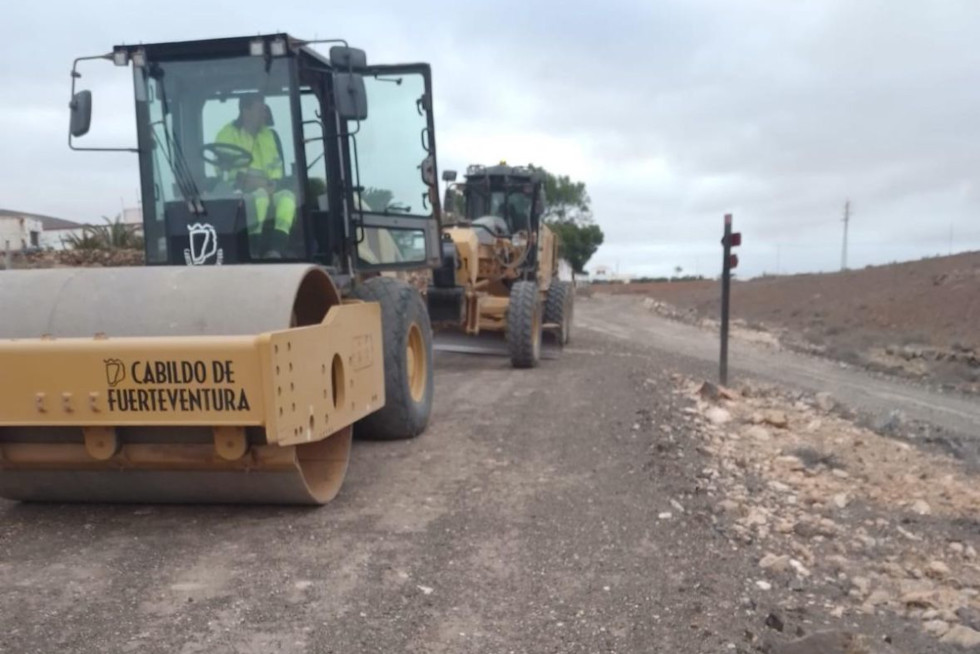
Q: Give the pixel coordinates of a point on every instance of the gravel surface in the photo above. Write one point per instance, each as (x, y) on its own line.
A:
(560, 509)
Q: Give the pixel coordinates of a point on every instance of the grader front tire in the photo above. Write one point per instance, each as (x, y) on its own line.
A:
(408, 365)
(524, 325)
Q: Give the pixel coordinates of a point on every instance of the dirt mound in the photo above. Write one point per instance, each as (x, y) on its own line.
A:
(915, 319)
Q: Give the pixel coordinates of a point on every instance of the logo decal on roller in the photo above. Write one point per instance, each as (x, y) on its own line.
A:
(115, 372)
(203, 242)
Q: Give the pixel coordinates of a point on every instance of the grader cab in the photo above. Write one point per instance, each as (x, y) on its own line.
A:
(234, 366)
(499, 271)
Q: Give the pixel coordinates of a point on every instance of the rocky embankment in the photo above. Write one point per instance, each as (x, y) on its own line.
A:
(844, 522)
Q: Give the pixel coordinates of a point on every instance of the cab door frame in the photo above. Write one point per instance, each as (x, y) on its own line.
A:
(429, 224)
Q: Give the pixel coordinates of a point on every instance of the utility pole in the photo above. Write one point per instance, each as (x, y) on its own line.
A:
(847, 219)
(951, 238)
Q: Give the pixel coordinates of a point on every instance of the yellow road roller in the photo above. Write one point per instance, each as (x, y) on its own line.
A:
(282, 182)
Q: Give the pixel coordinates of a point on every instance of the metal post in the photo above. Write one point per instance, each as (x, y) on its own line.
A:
(726, 275)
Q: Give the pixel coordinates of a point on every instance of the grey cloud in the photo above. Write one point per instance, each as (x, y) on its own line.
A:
(672, 112)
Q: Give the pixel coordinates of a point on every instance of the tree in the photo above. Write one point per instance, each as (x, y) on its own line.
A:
(568, 211)
(565, 199)
(377, 198)
(578, 242)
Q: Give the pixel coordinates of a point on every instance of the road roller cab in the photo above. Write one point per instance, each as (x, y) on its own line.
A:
(259, 149)
(278, 183)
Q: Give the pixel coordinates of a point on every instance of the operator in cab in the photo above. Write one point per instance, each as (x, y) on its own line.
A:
(251, 132)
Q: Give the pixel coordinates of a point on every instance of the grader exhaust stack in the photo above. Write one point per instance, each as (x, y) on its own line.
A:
(190, 381)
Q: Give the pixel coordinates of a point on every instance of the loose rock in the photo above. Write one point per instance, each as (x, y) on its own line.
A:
(777, 419)
(775, 563)
(773, 621)
(717, 416)
(758, 432)
(862, 584)
(879, 597)
(756, 517)
(921, 507)
(962, 636)
(824, 401)
(937, 570)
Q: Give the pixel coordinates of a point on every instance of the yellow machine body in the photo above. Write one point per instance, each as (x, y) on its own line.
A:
(482, 273)
(218, 417)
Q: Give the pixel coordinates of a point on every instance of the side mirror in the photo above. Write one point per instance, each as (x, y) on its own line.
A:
(448, 201)
(449, 175)
(350, 96)
(81, 113)
(344, 58)
(428, 167)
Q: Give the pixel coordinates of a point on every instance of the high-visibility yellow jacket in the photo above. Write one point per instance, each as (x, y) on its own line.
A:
(266, 159)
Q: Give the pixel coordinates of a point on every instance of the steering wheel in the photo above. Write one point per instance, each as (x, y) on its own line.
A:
(225, 156)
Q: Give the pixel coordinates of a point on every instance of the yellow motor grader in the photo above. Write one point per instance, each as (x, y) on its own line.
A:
(499, 270)
(235, 364)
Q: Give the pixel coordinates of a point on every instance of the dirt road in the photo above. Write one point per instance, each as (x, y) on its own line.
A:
(625, 318)
(552, 510)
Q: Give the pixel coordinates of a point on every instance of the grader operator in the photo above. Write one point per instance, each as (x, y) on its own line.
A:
(234, 366)
(499, 272)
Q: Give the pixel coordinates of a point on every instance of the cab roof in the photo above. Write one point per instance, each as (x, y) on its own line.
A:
(235, 46)
(517, 173)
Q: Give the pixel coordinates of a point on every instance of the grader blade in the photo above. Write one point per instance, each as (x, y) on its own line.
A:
(167, 385)
(486, 343)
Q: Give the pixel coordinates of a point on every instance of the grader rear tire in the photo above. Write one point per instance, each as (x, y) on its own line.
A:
(407, 336)
(559, 308)
(524, 325)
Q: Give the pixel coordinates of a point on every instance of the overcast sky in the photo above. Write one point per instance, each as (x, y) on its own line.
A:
(672, 112)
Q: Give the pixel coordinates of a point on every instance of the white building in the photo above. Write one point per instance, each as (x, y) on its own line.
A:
(605, 274)
(57, 232)
(132, 216)
(19, 231)
(564, 270)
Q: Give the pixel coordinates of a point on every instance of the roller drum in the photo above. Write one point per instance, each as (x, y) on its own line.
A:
(161, 302)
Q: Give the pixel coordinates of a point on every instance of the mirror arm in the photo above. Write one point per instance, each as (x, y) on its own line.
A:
(75, 75)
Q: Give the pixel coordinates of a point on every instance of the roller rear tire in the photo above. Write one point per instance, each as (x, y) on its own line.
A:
(407, 336)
